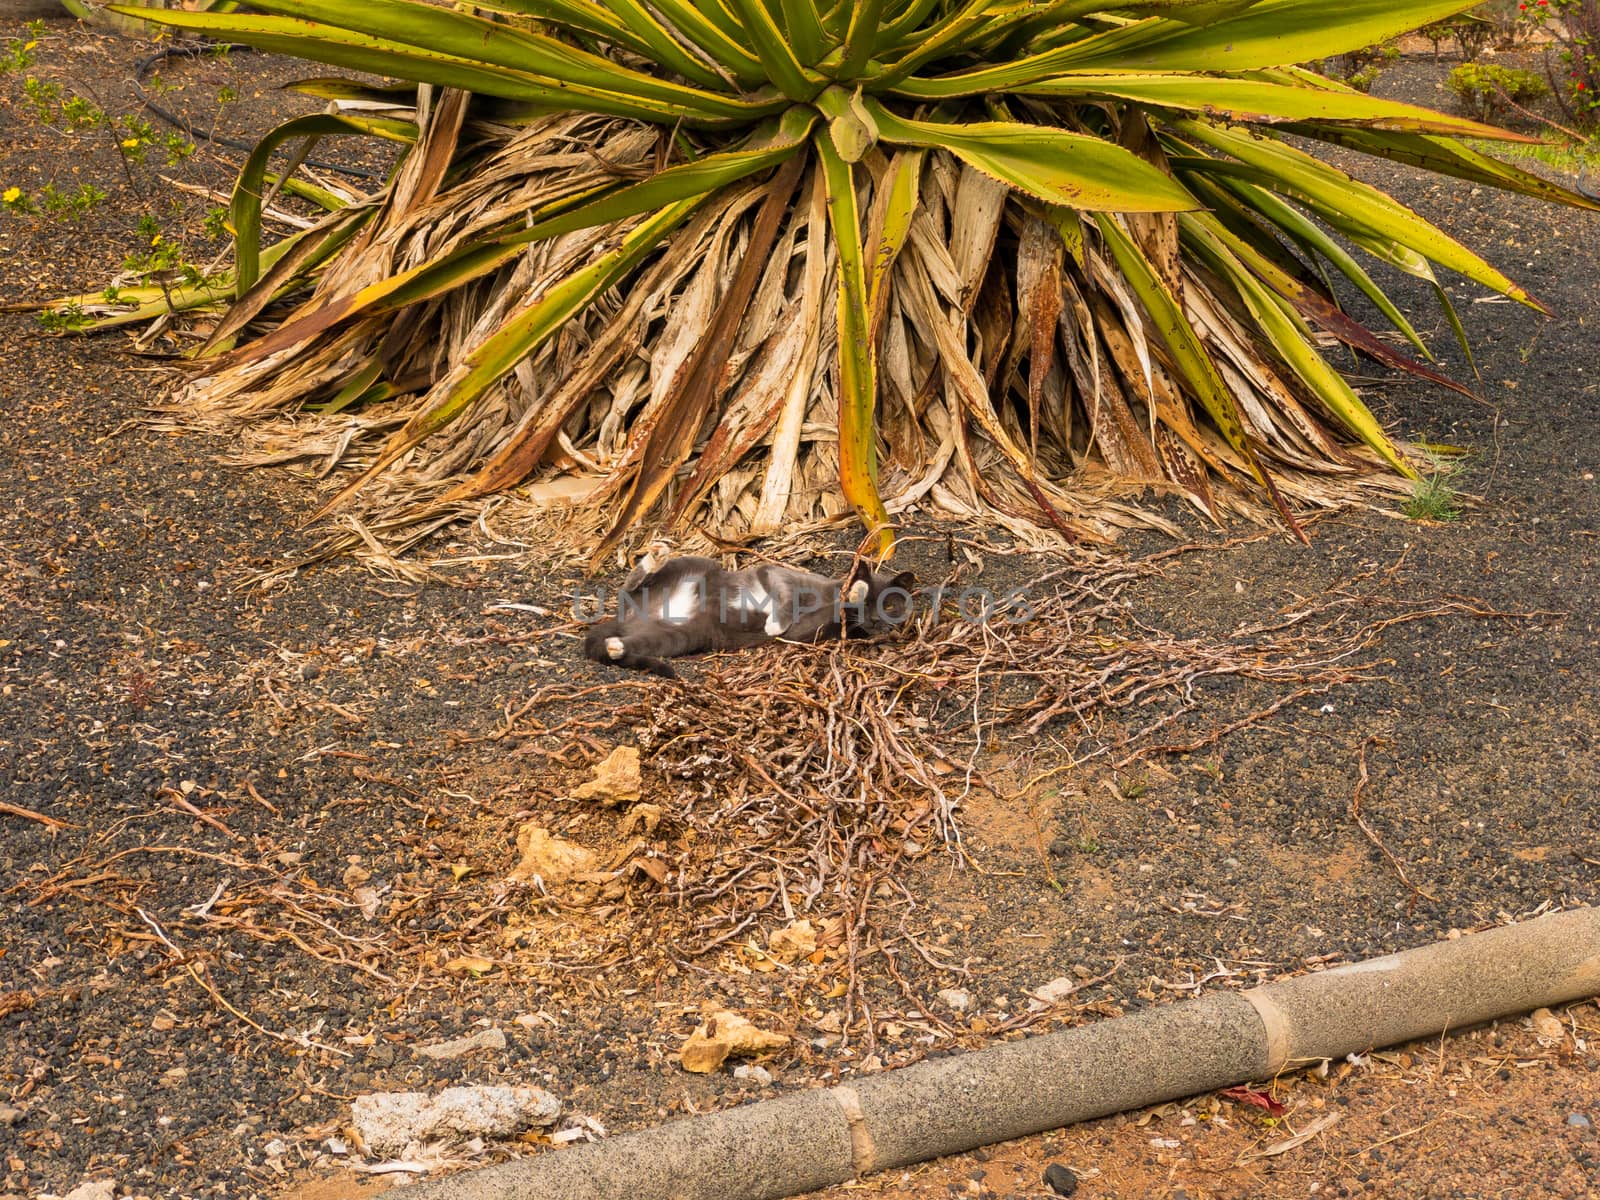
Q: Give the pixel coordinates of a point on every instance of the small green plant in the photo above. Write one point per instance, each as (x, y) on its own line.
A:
(44, 97)
(18, 54)
(161, 257)
(1361, 68)
(50, 104)
(55, 202)
(86, 199)
(216, 223)
(64, 319)
(72, 205)
(15, 200)
(163, 261)
(177, 147)
(1487, 90)
(138, 136)
(1087, 844)
(227, 95)
(1438, 33)
(1434, 496)
(81, 113)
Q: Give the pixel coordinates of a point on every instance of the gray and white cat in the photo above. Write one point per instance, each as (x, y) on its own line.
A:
(691, 605)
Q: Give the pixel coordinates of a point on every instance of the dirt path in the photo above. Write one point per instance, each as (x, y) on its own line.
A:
(287, 815)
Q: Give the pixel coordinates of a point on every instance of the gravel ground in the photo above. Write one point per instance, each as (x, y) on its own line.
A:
(278, 822)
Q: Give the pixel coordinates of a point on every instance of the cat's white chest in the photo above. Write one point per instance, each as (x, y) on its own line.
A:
(755, 600)
(683, 601)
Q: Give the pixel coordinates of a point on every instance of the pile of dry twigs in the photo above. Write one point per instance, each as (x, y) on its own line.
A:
(810, 776)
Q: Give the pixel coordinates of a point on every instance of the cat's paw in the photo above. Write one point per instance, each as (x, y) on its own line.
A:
(614, 648)
(655, 554)
(774, 626)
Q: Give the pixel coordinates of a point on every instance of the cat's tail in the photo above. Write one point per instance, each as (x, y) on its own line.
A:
(596, 647)
(643, 662)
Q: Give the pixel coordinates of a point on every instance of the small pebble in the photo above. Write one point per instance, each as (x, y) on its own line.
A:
(957, 998)
(1060, 1180)
(1579, 1121)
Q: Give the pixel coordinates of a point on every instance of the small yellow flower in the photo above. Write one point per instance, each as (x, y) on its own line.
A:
(12, 195)
(31, 44)
(130, 143)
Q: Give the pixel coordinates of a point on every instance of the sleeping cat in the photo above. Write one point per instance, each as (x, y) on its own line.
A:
(691, 605)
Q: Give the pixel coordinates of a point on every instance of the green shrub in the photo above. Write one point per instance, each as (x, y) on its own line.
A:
(1488, 89)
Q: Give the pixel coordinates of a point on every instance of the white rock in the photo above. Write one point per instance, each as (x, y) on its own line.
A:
(957, 998)
(91, 1189)
(1547, 1027)
(1057, 990)
(750, 1071)
(484, 1039)
(388, 1122)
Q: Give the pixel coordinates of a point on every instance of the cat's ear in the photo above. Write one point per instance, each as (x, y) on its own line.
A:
(906, 581)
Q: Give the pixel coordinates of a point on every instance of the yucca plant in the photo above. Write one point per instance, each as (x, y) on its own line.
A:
(755, 263)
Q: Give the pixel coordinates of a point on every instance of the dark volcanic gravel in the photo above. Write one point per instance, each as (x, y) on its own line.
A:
(191, 993)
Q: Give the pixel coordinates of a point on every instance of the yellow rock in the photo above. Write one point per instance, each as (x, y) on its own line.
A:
(724, 1035)
(554, 860)
(616, 780)
(792, 942)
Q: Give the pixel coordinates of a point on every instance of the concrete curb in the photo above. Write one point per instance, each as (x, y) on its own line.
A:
(809, 1140)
